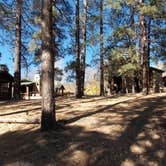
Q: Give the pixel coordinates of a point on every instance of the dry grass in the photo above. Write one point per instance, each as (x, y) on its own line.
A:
(98, 131)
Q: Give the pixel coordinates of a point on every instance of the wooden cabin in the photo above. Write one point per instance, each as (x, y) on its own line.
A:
(164, 81)
(156, 80)
(5, 83)
(121, 85)
(28, 89)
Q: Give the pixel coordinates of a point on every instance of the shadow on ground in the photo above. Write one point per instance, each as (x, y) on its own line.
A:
(142, 142)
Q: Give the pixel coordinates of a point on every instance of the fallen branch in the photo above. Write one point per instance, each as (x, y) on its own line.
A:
(22, 121)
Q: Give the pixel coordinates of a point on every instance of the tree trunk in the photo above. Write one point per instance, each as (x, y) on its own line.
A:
(145, 73)
(77, 49)
(17, 58)
(126, 85)
(112, 86)
(132, 44)
(83, 54)
(148, 55)
(48, 101)
(101, 51)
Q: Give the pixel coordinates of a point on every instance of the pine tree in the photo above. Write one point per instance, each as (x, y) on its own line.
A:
(121, 49)
(77, 50)
(83, 53)
(101, 51)
(48, 102)
(144, 56)
(132, 42)
(17, 58)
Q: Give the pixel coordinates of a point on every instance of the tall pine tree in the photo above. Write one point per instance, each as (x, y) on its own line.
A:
(101, 51)
(17, 58)
(77, 51)
(47, 82)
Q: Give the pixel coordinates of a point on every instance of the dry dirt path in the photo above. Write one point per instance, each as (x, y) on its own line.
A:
(98, 131)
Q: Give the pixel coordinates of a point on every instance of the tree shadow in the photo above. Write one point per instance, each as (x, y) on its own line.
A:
(100, 110)
(21, 111)
(95, 98)
(141, 143)
(21, 103)
(21, 107)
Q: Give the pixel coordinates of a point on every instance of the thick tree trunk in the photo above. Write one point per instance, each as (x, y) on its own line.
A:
(145, 73)
(48, 101)
(101, 51)
(83, 53)
(17, 58)
(77, 49)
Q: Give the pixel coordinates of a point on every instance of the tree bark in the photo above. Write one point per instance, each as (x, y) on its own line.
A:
(126, 85)
(17, 58)
(132, 44)
(83, 53)
(77, 49)
(101, 51)
(48, 101)
(145, 73)
(148, 54)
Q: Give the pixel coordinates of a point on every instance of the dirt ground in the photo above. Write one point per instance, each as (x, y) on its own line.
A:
(95, 131)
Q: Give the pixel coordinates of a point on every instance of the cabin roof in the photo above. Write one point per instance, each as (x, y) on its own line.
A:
(27, 82)
(156, 69)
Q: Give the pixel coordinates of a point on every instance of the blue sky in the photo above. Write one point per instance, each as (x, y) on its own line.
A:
(6, 58)
(8, 53)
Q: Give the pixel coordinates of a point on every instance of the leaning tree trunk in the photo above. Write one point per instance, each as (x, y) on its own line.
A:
(83, 54)
(77, 49)
(145, 73)
(17, 58)
(48, 102)
(101, 51)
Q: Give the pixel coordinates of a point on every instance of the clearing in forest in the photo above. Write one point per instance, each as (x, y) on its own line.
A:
(95, 131)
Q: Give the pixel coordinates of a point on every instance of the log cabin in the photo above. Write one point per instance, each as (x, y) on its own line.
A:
(121, 85)
(6, 81)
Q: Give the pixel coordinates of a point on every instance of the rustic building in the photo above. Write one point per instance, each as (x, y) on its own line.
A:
(29, 89)
(164, 81)
(5, 83)
(156, 80)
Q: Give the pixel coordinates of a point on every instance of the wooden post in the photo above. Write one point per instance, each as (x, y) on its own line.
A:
(27, 92)
(10, 90)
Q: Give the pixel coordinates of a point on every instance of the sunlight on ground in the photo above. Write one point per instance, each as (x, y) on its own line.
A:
(128, 162)
(99, 131)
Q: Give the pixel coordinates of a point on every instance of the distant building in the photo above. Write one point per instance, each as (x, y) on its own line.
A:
(164, 81)
(28, 89)
(156, 80)
(5, 83)
(37, 81)
(119, 85)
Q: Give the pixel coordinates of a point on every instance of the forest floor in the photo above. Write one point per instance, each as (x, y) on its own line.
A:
(95, 131)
